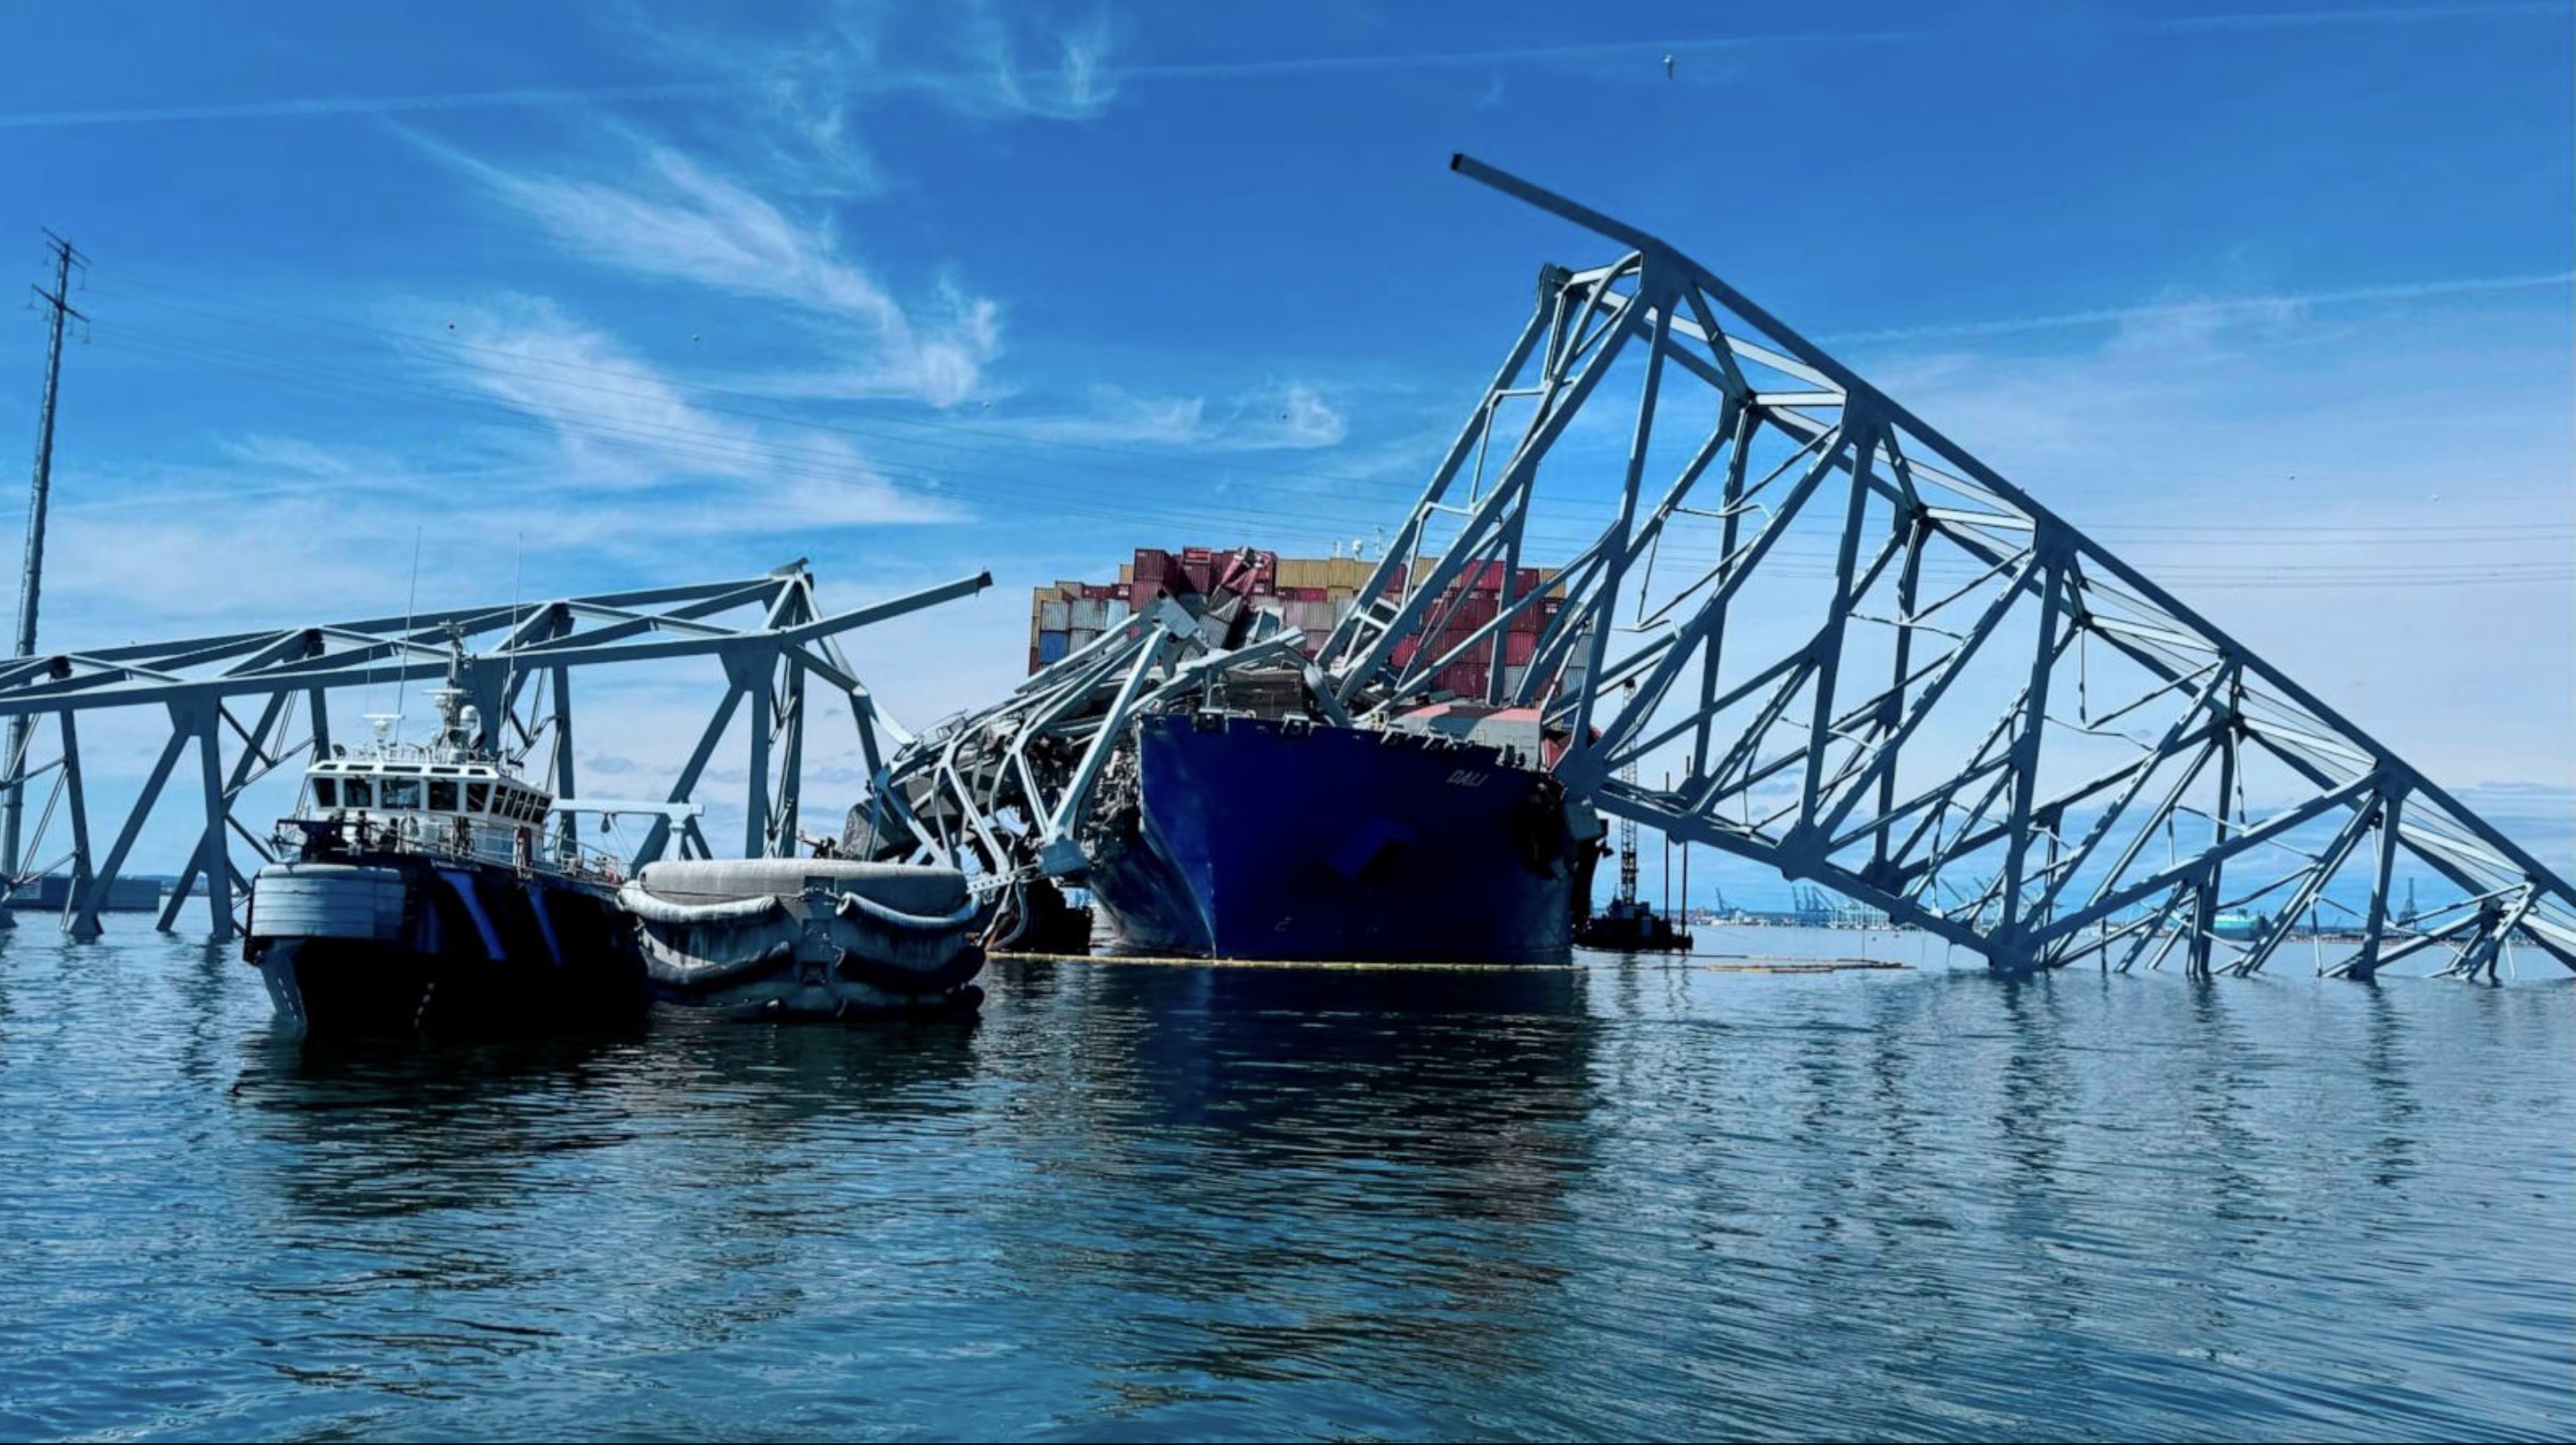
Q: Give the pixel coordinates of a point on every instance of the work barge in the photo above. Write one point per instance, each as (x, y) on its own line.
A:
(1838, 644)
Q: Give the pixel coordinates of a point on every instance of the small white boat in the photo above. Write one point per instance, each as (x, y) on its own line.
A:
(766, 937)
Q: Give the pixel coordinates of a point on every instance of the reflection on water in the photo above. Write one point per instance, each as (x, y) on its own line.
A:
(1293, 1175)
(1629, 1198)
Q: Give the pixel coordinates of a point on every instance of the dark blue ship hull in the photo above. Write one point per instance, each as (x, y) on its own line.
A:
(1255, 840)
(377, 943)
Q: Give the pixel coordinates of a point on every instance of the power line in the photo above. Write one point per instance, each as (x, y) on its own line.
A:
(736, 455)
(740, 450)
(257, 314)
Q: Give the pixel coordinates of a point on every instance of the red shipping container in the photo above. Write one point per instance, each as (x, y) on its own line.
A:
(1518, 649)
(1467, 679)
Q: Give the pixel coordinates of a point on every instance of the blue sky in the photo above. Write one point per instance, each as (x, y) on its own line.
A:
(625, 293)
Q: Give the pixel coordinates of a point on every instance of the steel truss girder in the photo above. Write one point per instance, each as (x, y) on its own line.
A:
(1011, 787)
(1936, 567)
(770, 633)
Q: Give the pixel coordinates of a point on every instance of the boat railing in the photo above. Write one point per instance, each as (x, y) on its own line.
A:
(452, 839)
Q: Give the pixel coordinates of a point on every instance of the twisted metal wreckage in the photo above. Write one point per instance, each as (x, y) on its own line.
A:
(1876, 664)
(1872, 662)
(254, 702)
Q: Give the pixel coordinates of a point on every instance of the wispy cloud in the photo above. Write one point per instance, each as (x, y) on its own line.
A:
(978, 58)
(829, 61)
(1276, 416)
(1075, 78)
(672, 217)
(992, 60)
(2205, 307)
(620, 423)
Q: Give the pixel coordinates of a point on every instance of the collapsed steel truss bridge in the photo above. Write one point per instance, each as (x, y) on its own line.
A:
(1888, 670)
(1866, 659)
(237, 697)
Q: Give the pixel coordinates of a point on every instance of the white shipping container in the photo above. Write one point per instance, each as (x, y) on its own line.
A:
(1087, 612)
(1085, 636)
(1054, 617)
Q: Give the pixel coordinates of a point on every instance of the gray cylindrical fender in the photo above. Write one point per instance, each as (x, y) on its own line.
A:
(634, 898)
(853, 906)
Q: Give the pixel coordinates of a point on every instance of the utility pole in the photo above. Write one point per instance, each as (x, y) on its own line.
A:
(58, 301)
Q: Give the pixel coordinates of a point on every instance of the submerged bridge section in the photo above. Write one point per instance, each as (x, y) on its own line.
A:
(1872, 662)
(249, 703)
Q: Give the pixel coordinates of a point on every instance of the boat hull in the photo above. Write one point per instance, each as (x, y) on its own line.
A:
(397, 944)
(1255, 840)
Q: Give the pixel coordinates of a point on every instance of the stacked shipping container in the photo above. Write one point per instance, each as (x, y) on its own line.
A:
(1310, 594)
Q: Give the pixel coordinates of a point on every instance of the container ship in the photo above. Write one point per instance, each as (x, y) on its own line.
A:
(1247, 827)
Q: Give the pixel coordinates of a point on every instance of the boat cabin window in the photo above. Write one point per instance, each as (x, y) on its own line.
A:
(442, 796)
(399, 792)
(478, 796)
(326, 792)
(356, 793)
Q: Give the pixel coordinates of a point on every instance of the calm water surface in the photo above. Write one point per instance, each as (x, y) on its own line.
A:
(1137, 1201)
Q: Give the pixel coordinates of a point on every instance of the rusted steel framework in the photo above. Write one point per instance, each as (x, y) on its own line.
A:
(235, 700)
(1874, 663)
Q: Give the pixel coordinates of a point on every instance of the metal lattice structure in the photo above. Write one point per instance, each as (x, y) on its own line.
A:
(1007, 791)
(1888, 670)
(236, 699)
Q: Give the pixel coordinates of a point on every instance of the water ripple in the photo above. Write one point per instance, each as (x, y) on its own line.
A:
(1614, 1201)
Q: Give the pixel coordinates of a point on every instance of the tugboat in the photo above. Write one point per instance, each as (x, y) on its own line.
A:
(421, 893)
(1628, 925)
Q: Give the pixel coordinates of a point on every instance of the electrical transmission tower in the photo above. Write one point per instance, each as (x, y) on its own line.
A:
(58, 304)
